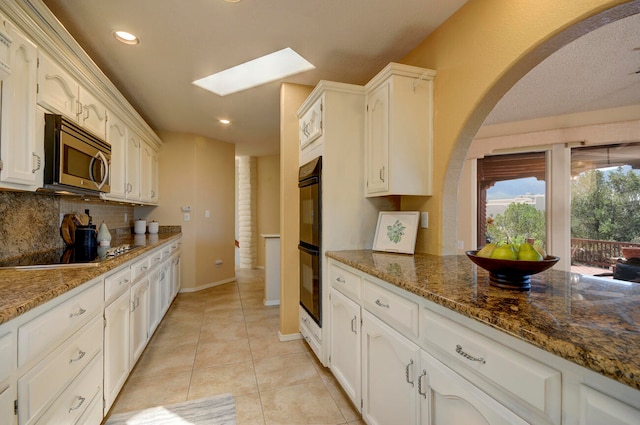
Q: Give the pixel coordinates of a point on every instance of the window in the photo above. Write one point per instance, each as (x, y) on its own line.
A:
(511, 198)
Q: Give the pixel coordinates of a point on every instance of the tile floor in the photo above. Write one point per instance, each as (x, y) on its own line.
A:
(224, 340)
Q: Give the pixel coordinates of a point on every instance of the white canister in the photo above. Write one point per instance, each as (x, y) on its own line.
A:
(153, 227)
(140, 227)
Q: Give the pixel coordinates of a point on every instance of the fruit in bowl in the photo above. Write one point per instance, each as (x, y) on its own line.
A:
(511, 267)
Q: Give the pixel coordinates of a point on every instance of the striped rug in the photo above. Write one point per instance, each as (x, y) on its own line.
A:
(219, 410)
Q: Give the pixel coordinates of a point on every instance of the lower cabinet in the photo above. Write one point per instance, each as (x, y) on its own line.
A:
(139, 318)
(116, 348)
(344, 359)
(389, 370)
(8, 391)
(597, 408)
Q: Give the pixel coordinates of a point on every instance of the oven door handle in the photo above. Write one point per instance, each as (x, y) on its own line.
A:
(310, 251)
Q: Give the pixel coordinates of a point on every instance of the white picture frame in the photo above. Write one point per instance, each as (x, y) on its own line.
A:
(396, 231)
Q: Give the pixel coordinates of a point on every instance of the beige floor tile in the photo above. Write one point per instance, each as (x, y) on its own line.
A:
(262, 328)
(166, 361)
(310, 403)
(249, 410)
(271, 346)
(348, 410)
(236, 379)
(261, 313)
(230, 331)
(216, 353)
(282, 371)
(143, 392)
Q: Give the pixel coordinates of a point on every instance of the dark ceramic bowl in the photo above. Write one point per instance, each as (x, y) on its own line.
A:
(512, 274)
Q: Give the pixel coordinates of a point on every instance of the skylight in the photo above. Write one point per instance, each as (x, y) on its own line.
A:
(272, 67)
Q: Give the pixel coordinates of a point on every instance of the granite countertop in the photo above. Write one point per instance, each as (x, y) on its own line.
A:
(22, 290)
(593, 322)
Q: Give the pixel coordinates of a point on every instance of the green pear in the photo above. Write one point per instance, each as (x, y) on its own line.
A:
(504, 252)
(486, 250)
(528, 253)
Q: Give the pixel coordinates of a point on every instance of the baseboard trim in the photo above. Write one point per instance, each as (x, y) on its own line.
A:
(208, 285)
(270, 302)
(289, 337)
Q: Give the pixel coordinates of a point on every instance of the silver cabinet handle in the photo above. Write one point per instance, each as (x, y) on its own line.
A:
(353, 325)
(38, 162)
(468, 356)
(382, 174)
(77, 406)
(422, 375)
(381, 304)
(81, 354)
(407, 374)
(123, 281)
(80, 312)
(340, 279)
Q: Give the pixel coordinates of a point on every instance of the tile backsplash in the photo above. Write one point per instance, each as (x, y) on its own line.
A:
(30, 222)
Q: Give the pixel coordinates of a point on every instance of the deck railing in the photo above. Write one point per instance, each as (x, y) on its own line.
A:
(596, 253)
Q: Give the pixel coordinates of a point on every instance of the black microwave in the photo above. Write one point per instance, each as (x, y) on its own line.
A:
(75, 160)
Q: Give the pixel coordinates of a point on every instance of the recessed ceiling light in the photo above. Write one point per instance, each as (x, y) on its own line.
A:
(126, 37)
(265, 69)
(224, 121)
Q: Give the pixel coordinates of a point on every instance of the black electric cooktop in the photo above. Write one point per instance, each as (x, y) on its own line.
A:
(66, 257)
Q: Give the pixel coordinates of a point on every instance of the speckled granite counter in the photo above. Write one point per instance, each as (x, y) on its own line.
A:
(593, 322)
(22, 290)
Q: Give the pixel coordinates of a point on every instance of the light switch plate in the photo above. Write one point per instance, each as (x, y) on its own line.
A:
(187, 217)
(424, 219)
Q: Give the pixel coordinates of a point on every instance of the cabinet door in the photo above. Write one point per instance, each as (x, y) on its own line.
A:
(146, 161)
(311, 125)
(155, 300)
(133, 167)
(155, 170)
(597, 408)
(345, 360)
(447, 398)
(139, 318)
(8, 393)
(390, 365)
(57, 90)
(20, 159)
(116, 348)
(377, 140)
(117, 138)
(93, 116)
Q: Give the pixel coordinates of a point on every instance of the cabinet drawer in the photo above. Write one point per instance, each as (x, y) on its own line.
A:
(139, 268)
(155, 259)
(166, 252)
(38, 387)
(533, 382)
(50, 328)
(311, 332)
(345, 281)
(394, 309)
(7, 355)
(116, 284)
(77, 397)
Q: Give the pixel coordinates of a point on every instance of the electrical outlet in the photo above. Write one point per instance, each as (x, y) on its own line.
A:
(126, 217)
(424, 220)
(207, 214)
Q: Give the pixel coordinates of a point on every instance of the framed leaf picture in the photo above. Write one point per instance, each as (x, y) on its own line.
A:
(396, 231)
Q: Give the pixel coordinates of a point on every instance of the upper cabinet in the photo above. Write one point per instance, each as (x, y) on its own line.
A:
(117, 138)
(21, 157)
(60, 93)
(399, 132)
(310, 126)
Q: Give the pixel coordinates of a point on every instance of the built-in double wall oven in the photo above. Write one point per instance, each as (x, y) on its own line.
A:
(310, 184)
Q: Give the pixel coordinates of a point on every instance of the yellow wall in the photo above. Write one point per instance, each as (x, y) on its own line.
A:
(268, 200)
(479, 53)
(291, 97)
(200, 173)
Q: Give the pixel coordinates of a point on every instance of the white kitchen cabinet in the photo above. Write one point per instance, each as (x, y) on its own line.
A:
(139, 318)
(21, 154)
(399, 132)
(60, 93)
(155, 300)
(446, 398)
(175, 275)
(57, 90)
(133, 166)
(310, 127)
(597, 408)
(5, 46)
(8, 391)
(116, 347)
(117, 138)
(146, 173)
(93, 113)
(345, 340)
(390, 364)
